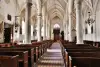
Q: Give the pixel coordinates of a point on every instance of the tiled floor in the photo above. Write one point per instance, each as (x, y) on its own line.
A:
(52, 58)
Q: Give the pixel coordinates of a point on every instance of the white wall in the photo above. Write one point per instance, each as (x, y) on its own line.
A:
(96, 25)
(6, 9)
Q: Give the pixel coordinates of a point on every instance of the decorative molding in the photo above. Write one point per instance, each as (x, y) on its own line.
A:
(88, 4)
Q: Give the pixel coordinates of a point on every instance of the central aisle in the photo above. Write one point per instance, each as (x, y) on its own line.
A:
(53, 57)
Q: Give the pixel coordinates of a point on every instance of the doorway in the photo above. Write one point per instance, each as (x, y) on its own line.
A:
(56, 32)
(7, 33)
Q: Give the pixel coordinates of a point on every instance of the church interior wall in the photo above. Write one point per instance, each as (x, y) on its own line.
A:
(95, 36)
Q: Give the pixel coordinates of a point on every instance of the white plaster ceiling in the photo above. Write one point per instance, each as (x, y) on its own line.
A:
(56, 8)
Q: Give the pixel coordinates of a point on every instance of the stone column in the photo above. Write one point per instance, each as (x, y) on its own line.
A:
(39, 27)
(18, 34)
(64, 28)
(70, 20)
(44, 23)
(70, 28)
(49, 30)
(79, 28)
(28, 22)
(32, 29)
(39, 11)
(66, 31)
(46, 28)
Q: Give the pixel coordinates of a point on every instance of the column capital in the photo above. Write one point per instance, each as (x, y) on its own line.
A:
(29, 2)
(39, 14)
(78, 2)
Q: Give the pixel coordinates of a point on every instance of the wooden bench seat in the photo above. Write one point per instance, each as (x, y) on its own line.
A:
(30, 53)
(85, 62)
(38, 51)
(5, 44)
(9, 61)
(22, 58)
(83, 50)
(78, 46)
(84, 54)
(41, 49)
(37, 43)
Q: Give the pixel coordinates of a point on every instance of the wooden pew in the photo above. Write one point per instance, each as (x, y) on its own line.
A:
(33, 41)
(70, 61)
(66, 58)
(85, 62)
(82, 59)
(37, 51)
(22, 59)
(83, 50)
(88, 42)
(5, 44)
(78, 46)
(43, 45)
(9, 61)
(39, 48)
(84, 54)
(30, 53)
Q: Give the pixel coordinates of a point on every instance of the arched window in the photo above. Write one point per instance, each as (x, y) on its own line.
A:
(86, 31)
(92, 29)
(9, 17)
(56, 26)
(56, 29)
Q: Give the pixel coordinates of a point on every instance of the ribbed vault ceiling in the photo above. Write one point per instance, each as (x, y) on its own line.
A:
(56, 8)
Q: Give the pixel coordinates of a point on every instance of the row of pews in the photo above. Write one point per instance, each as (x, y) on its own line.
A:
(53, 57)
(22, 55)
(82, 55)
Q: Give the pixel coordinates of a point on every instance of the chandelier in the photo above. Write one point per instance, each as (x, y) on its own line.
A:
(89, 20)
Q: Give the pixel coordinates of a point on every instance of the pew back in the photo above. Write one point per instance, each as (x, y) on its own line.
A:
(9, 61)
(85, 62)
(30, 53)
(22, 58)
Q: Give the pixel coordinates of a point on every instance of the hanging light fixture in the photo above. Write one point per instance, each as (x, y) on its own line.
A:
(89, 20)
